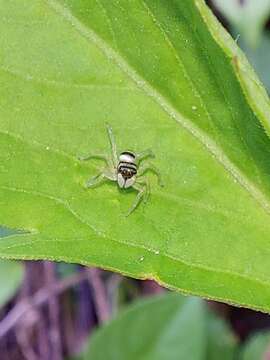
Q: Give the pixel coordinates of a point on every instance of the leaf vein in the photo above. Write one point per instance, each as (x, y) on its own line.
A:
(57, 200)
(58, 83)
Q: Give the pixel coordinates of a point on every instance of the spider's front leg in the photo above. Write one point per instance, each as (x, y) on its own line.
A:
(106, 174)
(95, 156)
(145, 154)
(113, 145)
(143, 193)
(95, 180)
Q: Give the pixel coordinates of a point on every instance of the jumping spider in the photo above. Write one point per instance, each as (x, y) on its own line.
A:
(125, 169)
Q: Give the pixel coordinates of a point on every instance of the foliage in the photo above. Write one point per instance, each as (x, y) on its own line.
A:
(165, 75)
(167, 327)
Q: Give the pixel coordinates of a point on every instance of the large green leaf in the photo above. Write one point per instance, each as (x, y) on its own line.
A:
(168, 327)
(165, 75)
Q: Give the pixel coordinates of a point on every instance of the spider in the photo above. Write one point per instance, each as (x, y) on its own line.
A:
(125, 169)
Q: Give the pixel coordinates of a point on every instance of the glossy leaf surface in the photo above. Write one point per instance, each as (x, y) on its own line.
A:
(166, 76)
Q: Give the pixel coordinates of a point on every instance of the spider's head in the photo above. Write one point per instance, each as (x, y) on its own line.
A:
(124, 181)
(127, 172)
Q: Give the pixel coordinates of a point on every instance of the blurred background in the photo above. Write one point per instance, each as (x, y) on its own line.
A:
(56, 311)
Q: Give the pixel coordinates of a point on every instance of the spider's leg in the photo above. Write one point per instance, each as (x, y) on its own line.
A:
(144, 182)
(95, 180)
(150, 167)
(110, 174)
(113, 145)
(145, 154)
(106, 174)
(95, 156)
(143, 193)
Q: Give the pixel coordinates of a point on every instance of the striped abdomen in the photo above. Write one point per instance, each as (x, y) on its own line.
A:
(126, 169)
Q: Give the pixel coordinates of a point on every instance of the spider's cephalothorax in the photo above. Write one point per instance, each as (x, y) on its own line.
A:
(126, 170)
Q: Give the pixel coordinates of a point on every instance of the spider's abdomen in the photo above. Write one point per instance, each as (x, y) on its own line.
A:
(126, 170)
(127, 157)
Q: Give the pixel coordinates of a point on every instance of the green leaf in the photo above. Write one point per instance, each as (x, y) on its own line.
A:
(256, 347)
(11, 274)
(248, 17)
(169, 327)
(165, 327)
(166, 76)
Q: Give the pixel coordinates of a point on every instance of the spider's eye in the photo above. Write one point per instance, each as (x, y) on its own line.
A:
(127, 172)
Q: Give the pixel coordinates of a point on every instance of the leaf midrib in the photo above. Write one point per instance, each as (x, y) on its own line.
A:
(147, 88)
(58, 83)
